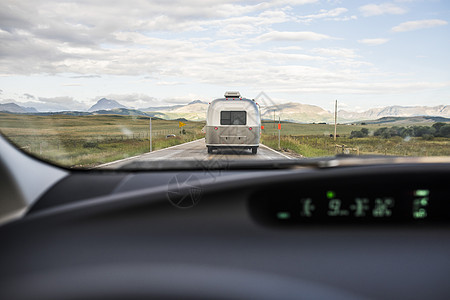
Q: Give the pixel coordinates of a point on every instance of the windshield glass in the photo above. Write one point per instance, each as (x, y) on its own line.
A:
(106, 84)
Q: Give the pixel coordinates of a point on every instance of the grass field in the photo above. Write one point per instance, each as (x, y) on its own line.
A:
(86, 141)
(312, 140)
(270, 128)
(313, 146)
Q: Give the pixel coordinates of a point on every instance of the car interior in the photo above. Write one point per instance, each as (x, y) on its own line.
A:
(335, 228)
(224, 149)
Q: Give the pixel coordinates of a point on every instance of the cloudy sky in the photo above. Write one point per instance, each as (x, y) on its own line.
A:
(58, 55)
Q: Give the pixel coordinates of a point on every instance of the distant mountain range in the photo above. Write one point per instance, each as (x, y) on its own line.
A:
(405, 120)
(193, 111)
(293, 112)
(397, 111)
(170, 107)
(296, 112)
(14, 108)
(106, 104)
(304, 113)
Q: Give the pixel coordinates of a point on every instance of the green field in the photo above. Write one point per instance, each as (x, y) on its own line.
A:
(312, 140)
(313, 146)
(87, 141)
(288, 128)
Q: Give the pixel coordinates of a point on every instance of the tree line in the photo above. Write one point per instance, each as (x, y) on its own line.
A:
(427, 132)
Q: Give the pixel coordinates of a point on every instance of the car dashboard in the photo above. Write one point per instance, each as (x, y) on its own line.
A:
(362, 232)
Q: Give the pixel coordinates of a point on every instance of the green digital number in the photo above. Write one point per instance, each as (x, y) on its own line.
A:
(420, 204)
(360, 207)
(307, 207)
(383, 207)
(334, 205)
(334, 208)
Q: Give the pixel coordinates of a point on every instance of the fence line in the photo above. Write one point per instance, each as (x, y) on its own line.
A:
(40, 144)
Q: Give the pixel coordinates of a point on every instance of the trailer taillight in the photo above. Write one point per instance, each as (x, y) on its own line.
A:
(250, 128)
(215, 128)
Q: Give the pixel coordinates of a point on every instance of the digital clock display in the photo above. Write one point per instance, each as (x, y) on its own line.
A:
(336, 205)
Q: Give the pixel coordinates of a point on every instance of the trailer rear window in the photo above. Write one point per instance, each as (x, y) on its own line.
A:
(233, 117)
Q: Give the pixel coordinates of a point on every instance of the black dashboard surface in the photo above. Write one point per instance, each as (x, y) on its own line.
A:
(201, 234)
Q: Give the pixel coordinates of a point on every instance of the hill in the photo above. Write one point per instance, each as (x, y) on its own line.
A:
(406, 120)
(297, 112)
(105, 104)
(193, 111)
(396, 111)
(15, 108)
(119, 111)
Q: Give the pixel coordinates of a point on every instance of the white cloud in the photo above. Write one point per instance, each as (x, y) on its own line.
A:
(57, 100)
(85, 76)
(421, 24)
(291, 2)
(183, 99)
(169, 83)
(340, 104)
(323, 13)
(247, 25)
(292, 36)
(72, 84)
(335, 14)
(335, 2)
(284, 57)
(288, 48)
(373, 42)
(29, 96)
(345, 18)
(177, 47)
(336, 52)
(362, 88)
(74, 37)
(381, 9)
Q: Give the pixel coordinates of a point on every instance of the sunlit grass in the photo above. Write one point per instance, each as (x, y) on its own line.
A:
(86, 141)
(313, 146)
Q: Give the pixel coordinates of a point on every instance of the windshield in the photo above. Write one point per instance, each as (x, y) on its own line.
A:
(101, 84)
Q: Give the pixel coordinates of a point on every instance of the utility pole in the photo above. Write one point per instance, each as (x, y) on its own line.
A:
(335, 119)
(150, 134)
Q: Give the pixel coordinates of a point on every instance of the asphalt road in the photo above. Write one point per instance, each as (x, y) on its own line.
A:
(196, 150)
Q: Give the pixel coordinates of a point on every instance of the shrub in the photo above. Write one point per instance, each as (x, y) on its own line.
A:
(444, 131)
(415, 131)
(428, 137)
(423, 130)
(437, 126)
(359, 134)
(380, 131)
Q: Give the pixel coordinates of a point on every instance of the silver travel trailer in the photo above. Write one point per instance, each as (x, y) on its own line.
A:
(233, 122)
